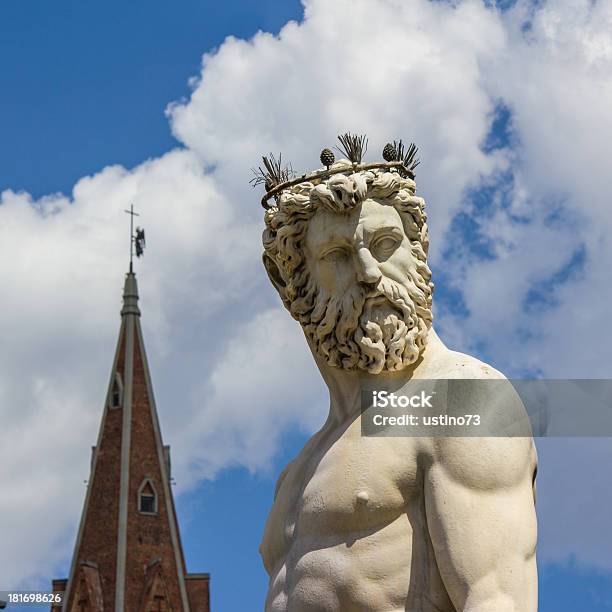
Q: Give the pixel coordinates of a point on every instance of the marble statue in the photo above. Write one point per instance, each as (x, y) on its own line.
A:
(360, 523)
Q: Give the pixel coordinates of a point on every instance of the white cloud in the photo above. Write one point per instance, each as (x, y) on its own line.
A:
(424, 71)
(60, 319)
(555, 78)
(389, 69)
(250, 399)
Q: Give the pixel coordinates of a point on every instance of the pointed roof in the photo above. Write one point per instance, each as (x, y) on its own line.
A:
(129, 522)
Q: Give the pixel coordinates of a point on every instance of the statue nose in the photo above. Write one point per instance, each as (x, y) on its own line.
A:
(367, 267)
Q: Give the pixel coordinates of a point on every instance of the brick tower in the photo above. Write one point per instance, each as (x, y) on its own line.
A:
(128, 555)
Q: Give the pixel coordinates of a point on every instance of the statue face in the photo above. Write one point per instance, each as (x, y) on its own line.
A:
(367, 278)
(348, 257)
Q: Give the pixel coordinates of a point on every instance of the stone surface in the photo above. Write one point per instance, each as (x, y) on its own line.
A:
(376, 523)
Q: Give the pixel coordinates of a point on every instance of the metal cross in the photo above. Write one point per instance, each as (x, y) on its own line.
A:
(132, 215)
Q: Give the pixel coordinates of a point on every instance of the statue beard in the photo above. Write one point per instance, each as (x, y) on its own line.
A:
(371, 329)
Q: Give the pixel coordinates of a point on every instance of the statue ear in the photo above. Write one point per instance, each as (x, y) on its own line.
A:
(274, 274)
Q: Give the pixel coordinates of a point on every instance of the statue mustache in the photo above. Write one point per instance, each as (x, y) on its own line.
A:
(389, 290)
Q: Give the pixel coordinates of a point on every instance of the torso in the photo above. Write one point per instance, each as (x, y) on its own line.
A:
(345, 508)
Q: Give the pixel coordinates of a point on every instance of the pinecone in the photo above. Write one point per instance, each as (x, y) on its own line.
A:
(389, 153)
(327, 158)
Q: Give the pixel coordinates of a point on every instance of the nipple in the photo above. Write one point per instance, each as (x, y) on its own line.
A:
(363, 497)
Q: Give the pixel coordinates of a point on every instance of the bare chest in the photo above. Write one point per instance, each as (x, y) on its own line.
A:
(339, 487)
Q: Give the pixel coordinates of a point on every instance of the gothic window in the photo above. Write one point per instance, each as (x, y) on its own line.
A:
(116, 394)
(147, 497)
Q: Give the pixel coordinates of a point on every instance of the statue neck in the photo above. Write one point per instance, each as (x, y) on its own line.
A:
(345, 385)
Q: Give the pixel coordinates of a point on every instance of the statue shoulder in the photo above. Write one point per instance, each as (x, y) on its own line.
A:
(440, 362)
(453, 364)
(505, 453)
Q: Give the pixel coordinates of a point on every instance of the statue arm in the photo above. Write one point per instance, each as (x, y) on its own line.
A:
(482, 524)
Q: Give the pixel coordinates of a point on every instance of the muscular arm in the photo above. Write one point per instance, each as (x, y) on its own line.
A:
(482, 523)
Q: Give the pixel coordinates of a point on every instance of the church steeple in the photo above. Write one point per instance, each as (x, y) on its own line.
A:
(128, 555)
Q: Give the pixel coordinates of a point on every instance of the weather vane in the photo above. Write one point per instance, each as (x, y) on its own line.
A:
(137, 238)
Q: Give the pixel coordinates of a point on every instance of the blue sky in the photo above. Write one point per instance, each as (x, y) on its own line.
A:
(95, 78)
(85, 88)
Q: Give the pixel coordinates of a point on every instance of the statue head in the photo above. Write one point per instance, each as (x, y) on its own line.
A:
(347, 254)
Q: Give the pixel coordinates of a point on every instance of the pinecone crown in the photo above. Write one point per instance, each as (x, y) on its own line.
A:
(276, 177)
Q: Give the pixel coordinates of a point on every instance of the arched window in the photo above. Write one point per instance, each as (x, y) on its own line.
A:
(116, 394)
(147, 497)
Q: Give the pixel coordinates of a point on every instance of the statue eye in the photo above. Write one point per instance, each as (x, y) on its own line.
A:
(336, 254)
(385, 245)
